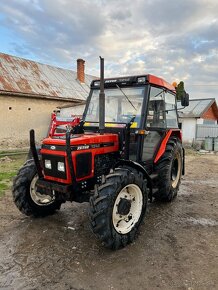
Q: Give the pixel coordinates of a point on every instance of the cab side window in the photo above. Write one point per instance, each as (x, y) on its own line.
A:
(161, 109)
(156, 109)
(170, 107)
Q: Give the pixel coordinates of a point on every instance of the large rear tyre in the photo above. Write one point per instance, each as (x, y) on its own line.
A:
(169, 170)
(26, 196)
(118, 207)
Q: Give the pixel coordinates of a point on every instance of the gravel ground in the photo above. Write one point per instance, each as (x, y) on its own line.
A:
(177, 246)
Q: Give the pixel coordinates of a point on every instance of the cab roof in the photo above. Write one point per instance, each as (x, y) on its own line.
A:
(133, 80)
(160, 82)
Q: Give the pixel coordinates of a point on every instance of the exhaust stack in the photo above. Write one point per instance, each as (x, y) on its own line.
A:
(101, 98)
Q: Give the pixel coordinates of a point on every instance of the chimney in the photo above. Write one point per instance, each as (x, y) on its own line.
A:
(81, 70)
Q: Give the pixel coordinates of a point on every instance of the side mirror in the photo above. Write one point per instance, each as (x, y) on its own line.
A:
(182, 95)
(185, 99)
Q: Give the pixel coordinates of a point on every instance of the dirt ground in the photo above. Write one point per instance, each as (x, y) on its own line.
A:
(177, 247)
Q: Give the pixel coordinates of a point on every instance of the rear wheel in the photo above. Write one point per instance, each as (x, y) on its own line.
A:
(118, 206)
(169, 170)
(26, 195)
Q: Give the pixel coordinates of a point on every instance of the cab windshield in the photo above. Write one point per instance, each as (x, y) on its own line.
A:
(121, 105)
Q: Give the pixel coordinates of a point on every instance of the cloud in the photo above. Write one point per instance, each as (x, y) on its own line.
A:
(173, 39)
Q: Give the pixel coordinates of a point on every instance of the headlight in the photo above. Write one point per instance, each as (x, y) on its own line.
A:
(96, 84)
(47, 164)
(141, 80)
(61, 166)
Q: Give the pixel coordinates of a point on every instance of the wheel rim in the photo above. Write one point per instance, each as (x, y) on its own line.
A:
(127, 208)
(37, 197)
(176, 170)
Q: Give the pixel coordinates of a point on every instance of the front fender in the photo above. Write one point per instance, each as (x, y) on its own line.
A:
(137, 166)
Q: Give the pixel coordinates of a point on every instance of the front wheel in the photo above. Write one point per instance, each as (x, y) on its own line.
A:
(26, 195)
(118, 206)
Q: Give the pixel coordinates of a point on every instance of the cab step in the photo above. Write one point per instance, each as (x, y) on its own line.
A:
(153, 176)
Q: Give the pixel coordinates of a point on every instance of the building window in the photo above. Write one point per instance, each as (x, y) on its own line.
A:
(209, 122)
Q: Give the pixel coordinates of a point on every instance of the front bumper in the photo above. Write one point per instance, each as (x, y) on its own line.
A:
(49, 187)
(65, 192)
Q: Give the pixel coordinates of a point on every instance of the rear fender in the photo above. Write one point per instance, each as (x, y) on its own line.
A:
(170, 133)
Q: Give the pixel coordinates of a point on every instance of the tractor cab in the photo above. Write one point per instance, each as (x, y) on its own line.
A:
(145, 103)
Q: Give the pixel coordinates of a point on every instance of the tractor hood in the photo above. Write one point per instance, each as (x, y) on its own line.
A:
(82, 142)
(79, 162)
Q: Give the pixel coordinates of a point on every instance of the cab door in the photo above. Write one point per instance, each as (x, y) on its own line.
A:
(161, 116)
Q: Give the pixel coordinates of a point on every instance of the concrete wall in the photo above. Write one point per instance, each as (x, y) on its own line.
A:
(188, 129)
(20, 114)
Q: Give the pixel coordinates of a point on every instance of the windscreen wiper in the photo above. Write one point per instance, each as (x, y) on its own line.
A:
(126, 97)
(158, 94)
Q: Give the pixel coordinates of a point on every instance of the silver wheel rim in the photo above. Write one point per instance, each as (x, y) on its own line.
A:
(37, 197)
(176, 170)
(123, 223)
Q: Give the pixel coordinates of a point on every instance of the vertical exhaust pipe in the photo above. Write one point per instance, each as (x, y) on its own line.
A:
(101, 99)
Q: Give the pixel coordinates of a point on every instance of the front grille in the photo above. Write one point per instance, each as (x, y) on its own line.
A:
(103, 163)
(83, 164)
(54, 172)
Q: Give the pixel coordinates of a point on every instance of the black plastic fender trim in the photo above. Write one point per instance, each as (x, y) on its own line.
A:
(137, 166)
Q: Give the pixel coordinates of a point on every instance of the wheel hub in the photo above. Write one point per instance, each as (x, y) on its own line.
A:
(124, 206)
(127, 208)
(38, 197)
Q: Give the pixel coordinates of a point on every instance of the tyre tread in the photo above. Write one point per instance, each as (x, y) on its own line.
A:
(101, 206)
(21, 194)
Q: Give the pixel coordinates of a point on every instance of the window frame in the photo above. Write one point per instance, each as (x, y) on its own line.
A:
(93, 91)
(155, 128)
(176, 112)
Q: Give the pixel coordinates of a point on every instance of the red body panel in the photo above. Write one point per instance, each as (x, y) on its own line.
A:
(160, 82)
(83, 139)
(58, 153)
(171, 132)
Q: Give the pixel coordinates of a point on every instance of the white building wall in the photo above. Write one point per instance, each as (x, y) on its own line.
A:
(200, 121)
(188, 129)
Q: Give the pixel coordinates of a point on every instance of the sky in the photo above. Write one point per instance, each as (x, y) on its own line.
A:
(173, 39)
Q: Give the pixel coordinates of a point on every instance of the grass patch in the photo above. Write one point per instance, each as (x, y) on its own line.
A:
(191, 151)
(6, 175)
(3, 187)
(8, 170)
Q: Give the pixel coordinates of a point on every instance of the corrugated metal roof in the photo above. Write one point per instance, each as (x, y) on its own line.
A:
(22, 76)
(196, 108)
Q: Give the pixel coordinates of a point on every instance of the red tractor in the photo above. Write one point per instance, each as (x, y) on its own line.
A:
(127, 149)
